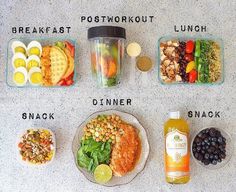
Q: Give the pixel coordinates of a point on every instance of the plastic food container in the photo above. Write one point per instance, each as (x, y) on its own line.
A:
(107, 53)
(41, 62)
(229, 149)
(27, 163)
(190, 60)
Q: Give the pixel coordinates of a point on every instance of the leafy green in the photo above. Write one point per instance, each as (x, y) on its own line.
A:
(92, 153)
(203, 62)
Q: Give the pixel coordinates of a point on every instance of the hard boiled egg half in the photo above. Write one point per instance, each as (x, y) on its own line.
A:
(34, 48)
(18, 60)
(35, 76)
(20, 76)
(18, 47)
(33, 61)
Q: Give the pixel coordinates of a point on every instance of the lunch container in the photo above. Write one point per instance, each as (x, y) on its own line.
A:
(10, 69)
(26, 163)
(115, 181)
(229, 149)
(194, 38)
(107, 53)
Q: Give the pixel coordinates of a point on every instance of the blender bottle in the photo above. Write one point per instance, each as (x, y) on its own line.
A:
(107, 53)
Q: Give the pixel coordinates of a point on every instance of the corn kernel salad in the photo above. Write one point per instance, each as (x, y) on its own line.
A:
(36, 146)
(103, 128)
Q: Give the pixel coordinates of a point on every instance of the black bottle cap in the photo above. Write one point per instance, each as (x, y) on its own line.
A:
(106, 31)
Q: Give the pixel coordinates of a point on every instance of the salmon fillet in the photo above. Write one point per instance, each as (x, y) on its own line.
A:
(126, 150)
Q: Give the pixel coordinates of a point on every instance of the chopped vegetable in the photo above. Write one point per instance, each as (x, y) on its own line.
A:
(36, 146)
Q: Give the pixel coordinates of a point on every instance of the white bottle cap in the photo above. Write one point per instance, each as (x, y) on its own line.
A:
(174, 115)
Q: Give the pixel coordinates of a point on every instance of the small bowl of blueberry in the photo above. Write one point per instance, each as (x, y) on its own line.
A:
(212, 147)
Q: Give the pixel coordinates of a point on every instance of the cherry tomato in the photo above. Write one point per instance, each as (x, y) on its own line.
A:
(188, 57)
(62, 83)
(71, 76)
(71, 48)
(189, 46)
(69, 82)
(192, 76)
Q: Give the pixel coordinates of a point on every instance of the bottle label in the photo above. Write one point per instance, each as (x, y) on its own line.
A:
(177, 155)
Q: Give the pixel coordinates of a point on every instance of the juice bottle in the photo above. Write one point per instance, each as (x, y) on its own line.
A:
(177, 149)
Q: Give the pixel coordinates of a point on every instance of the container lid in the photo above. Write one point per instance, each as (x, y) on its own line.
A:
(106, 31)
(174, 115)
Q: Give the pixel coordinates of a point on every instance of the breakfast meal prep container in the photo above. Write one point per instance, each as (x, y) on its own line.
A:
(144, 145)
(107, 53)
(179, 57)
(41, 62)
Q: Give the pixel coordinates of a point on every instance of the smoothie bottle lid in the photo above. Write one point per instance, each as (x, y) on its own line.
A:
(174, 115)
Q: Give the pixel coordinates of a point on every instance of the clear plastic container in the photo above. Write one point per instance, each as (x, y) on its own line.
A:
(107, 54)
(169, 74)
(64, 75)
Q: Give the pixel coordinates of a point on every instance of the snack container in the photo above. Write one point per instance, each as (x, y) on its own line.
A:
(229, 149)
(107, 54)
(173, 70)
(59, 65)
(26, 163)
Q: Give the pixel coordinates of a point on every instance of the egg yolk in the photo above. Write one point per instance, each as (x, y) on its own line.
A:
(31, 64)
(19, 78)
(19, 63)
(34, 51)
(20, 50)
(36, 78)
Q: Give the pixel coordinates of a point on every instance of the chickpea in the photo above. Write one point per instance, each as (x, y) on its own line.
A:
(97, 139)
(117, 118)
(108, 117)
(113, 116)
(92, 130)
(104, 140)
(96, 134)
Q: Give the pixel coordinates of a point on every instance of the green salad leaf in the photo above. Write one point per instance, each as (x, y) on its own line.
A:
(92, 153)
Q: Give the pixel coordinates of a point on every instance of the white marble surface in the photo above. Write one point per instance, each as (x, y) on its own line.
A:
(150, 104)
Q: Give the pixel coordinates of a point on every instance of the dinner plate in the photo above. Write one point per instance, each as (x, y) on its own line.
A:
(144, 151)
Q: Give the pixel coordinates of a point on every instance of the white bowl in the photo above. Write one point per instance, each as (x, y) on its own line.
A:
(229, 149)
(27, 163)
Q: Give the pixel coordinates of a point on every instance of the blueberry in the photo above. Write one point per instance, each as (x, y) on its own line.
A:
(206, 140)
(212, 132)
(206, 162)
(211, 156)
(198, 148)
(202, 152)
(219, 160)
(214, 162)
(206, 156)
(213, 143)
(220, 140)
(214, 139)
(216, 157)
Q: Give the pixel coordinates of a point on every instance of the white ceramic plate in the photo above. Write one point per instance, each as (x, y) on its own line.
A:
(144, 152)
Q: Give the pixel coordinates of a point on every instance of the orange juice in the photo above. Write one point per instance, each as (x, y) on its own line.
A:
(177, 149)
